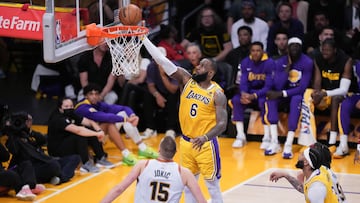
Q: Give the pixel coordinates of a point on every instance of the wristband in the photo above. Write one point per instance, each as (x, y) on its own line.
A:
(207, 138)
(284, 93)
(358, 147)
(255, 95)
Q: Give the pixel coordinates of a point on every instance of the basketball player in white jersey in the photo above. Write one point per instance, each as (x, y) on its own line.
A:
(159, 180)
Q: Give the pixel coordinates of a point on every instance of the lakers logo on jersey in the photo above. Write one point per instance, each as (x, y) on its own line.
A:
(330, 76)
(253, 76)
(199, 97)
(294, 76)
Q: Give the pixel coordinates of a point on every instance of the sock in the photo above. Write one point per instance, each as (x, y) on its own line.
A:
(214, 190)
(290, 138)
(274, 133)
(142, 146)
(266, 133)
(332, 138)
(240, 130)
(344, 141)
(125, 152)
(132, 132)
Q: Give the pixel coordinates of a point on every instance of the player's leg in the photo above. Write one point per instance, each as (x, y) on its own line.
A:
(115, 137)
(345, 110)
(133, 133)
(334, 107)
(238, 119)
(187, 160)
(293, 119)
(270, 118)
(266, 140)
(208, 160)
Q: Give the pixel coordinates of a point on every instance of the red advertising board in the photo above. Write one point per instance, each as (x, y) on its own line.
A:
(24, 21)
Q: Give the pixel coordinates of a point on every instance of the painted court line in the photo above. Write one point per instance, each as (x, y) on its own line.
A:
(57, 192)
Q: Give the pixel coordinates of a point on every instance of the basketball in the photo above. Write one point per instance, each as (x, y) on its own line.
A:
(130, 15)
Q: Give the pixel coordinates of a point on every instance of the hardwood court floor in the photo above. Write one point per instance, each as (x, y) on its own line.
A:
(244, 177)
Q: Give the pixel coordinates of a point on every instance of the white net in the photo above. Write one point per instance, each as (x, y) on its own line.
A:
(125, 49)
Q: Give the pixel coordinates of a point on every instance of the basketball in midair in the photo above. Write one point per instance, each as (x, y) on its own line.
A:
(130, 15)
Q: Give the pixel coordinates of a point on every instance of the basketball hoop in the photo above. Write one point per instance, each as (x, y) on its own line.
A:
(124, 43)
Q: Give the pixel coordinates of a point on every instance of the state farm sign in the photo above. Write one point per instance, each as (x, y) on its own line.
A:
(24, 21)
(15, 23)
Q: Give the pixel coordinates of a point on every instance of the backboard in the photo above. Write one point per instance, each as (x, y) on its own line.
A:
(64, 22)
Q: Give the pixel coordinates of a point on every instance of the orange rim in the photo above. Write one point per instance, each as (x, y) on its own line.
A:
(136, 31)
(95, 35)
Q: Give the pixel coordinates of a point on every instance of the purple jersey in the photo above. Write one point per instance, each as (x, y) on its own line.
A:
(297, 79)
(102, 112)
(256, 77)
(357, 74)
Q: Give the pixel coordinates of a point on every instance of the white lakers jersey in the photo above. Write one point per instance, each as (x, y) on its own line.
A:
(159, 182)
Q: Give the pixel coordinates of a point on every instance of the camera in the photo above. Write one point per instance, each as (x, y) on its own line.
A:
(18, 122)
(14, 123)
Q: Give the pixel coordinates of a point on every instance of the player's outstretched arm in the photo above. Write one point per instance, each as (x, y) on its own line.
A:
(181, 75)
(190, 181)
(121, 187)
(276, 175)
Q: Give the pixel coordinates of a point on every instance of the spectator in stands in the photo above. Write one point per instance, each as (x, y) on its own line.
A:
(174, 50)
(293, 27)
(329, 7)
(108, 11)
(236, 55)
(332, 80)
(194, 56)
(164, 94)
(264, 9)
(311, 38)
(256, 80)
(70, 134)
(325, 33)
(21, 178)
(25, 145)
(352, 24)
(211, 34)
(293, 75)
(350, 106)
(300, 11)
(281, 43)
(259, 27)
(55, 78)
(111, 119)
(95, 67)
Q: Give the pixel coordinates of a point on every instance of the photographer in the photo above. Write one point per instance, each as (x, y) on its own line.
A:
(21, 178)
(67, 135)
(25, 145)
